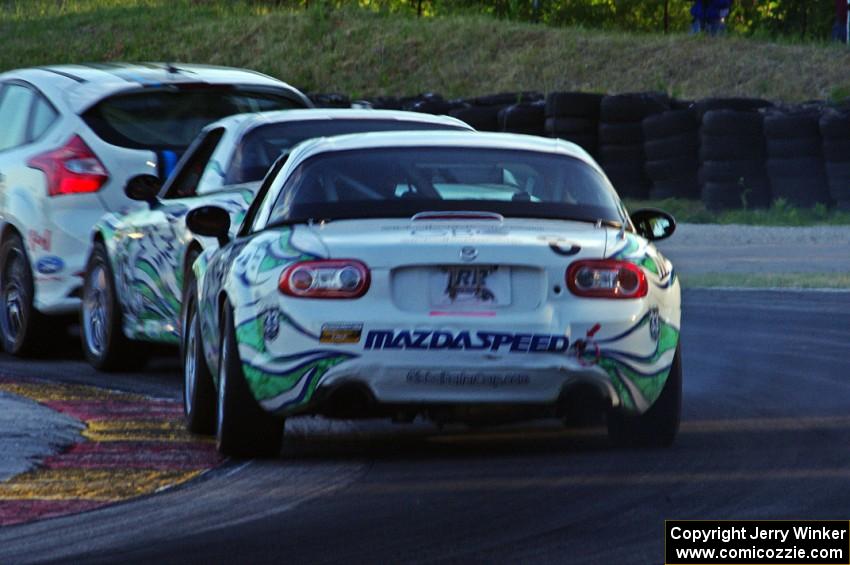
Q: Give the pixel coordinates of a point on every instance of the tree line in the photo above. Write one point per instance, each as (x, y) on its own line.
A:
(803, 19)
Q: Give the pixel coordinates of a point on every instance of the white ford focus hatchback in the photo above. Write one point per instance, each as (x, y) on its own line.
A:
(71, 137)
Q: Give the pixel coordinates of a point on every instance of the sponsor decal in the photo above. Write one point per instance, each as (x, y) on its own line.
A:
(654, 323)
(271, 324)
(466, 378)
(49, 265)
(341, 333)
(466, 341)
(41, 240)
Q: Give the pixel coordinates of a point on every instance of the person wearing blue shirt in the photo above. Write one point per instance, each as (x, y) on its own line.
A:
(710, 15)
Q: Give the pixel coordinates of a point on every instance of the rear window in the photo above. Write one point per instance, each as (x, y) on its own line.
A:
(170, 119)
(401, 182)
(262, 146)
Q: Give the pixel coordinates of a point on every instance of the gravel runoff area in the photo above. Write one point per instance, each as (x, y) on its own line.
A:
(712, 248)
(31, 432)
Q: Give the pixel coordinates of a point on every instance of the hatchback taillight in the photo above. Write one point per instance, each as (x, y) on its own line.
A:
(329, 278)
(71, 169)
(606, 278)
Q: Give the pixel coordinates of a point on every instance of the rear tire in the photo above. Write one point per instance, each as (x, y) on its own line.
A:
(243, 428)
(658, 426)
(101, 320)
(20, 322)
(199, 394)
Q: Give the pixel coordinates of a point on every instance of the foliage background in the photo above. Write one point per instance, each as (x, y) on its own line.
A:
(803, 19)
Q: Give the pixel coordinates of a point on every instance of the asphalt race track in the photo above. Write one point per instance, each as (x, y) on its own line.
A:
(766, 434)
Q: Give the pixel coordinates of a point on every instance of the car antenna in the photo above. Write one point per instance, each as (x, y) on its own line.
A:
(171, 69)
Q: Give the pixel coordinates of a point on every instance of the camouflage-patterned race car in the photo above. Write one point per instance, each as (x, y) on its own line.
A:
(457, 276)
(140, 263)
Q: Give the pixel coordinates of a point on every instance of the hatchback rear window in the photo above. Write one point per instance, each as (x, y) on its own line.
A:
(170, 119)
(389, 182)
(260, 148)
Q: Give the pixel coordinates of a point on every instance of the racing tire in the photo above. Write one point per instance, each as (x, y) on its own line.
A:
(243, 428)
(730, 148)
(573, 104)
(838, 177)
(105, 346)
(730, 122)
(670, 123)
(522, 118)
(506, 98)
(632, 107)
(794, 148)
(670, 169)
(682, 146)
(199, 394)
(482, 118)
(738, 104)
(732, 170)
(778, 125)
(836, 150)
(567, 126)
(658, 426)
(834, 125)
(622, 154)
(620, 133)
(21, 324)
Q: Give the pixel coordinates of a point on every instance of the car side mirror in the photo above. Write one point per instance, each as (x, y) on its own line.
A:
(654, 224)
(144, 188)
(210, 221)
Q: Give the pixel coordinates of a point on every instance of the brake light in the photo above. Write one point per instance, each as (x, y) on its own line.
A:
(330, 278)
(606, 278)
(71, 169)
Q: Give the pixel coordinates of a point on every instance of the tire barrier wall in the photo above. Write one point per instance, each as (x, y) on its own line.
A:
(729, 152)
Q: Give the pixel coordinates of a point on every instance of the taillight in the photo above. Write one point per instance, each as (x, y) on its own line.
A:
(330, 278)
(71, 169)
(606, 278)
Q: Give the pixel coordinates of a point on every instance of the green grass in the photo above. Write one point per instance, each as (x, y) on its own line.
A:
(768, 280)
(780, 214)
(366, 53)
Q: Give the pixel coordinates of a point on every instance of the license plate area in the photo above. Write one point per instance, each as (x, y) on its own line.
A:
(470, 286)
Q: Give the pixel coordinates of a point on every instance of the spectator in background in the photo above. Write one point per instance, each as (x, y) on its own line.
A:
(839, 29)
(710, 16)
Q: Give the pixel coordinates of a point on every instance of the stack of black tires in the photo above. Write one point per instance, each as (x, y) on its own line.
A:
(835, 134)
(621, 152)
(795, 156)
(671, 146)
(525, 117)
(482, 112)
(574, 116)
(732, 153)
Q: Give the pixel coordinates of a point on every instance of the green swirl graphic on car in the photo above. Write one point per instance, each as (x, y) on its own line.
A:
(148, 250)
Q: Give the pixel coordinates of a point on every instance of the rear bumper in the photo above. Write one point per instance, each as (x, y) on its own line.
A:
(625, 358)
(478, 384)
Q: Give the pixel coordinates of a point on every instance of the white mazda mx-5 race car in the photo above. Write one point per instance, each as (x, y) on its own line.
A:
(459, 276)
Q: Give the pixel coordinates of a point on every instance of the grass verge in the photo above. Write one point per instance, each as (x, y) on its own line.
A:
(359, 52)
(780, 214)
(768, 280)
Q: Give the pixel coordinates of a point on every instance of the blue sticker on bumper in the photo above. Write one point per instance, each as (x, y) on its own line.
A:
(49, 265)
